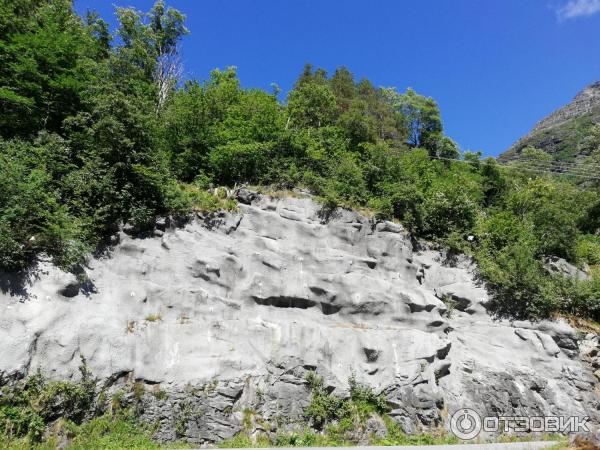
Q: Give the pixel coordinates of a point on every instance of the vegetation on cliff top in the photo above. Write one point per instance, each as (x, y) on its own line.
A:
(97, 130)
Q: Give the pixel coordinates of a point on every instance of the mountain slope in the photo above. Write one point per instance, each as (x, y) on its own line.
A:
(562, 134)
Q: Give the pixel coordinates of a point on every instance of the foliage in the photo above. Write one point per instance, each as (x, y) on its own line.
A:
(107, 432)
(587, 249)
(339, 422)
(422, 117)
(365, 401)
(324, 407)
(32, 216)
(395, 436)
(67, 414)
(28, 406)
(150, 46)
(45, 51)
(96, 132)
(533, 224)
(338, 416)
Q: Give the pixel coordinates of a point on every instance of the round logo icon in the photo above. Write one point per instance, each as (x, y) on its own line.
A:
(465, 424)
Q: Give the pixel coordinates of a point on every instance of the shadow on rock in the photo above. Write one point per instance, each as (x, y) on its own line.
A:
(17, 284)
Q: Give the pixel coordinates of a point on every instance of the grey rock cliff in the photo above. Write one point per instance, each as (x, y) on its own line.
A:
(228, 314)
(563, 132)
(584, 103)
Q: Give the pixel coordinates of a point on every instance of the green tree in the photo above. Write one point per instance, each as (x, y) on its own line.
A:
(45, 64)
(422, 117)
(543, 203)
(312, 105)
(343, 87)
(123, 172)
(150, 44)
(205, 118)
(32, 216)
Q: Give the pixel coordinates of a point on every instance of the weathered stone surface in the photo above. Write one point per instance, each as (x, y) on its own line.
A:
(560, 266)
(245, 196)
(228, 314)
(583, 103)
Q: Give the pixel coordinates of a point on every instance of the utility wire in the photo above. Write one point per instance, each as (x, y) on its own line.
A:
(554, 162)
(557, 168)
(570, 163)
(531, 168)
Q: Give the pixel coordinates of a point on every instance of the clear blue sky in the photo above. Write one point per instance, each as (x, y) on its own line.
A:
(494, 66)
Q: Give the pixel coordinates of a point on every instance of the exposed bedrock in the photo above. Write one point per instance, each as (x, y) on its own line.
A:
(230, 312)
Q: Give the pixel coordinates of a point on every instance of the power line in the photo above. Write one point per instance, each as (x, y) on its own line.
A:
(557, 168)
(561, 163)
(531, 168)
(553, 172)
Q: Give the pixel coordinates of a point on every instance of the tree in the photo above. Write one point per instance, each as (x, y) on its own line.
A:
(122, 173)
(185, 131)
(205, 118)
(542, 202)
(45, 63)
(441, 146)
(150, 43)
(343, 87)
(590, 145)
(312, 105)
(98, 28)
(236, 162)
(32, 216)
(533, 162)
(422, 117)
(592, 148)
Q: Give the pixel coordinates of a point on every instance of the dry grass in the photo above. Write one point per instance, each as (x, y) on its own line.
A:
(130, 326)
(184, 318)
(579, 323)
(581, 444)
(154, 317)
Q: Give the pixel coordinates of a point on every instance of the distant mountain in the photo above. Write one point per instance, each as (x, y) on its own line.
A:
(562, 134)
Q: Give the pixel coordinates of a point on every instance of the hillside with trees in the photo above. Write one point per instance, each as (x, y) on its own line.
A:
(98, 130)
(570, 135)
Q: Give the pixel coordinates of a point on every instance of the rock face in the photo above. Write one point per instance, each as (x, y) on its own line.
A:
(562, 132)
(225, 316)
(584, 103)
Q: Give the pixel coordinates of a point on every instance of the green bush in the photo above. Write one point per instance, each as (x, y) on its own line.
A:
(28, 406)
(32, 216)
(339, 422)
(106, 432)
(238, 162)
(324, 407)
(110, 433)
(447, 209)
(365, 401)
(587, 250)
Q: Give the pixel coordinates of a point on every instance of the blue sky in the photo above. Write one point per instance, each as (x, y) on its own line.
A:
(494, 66)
